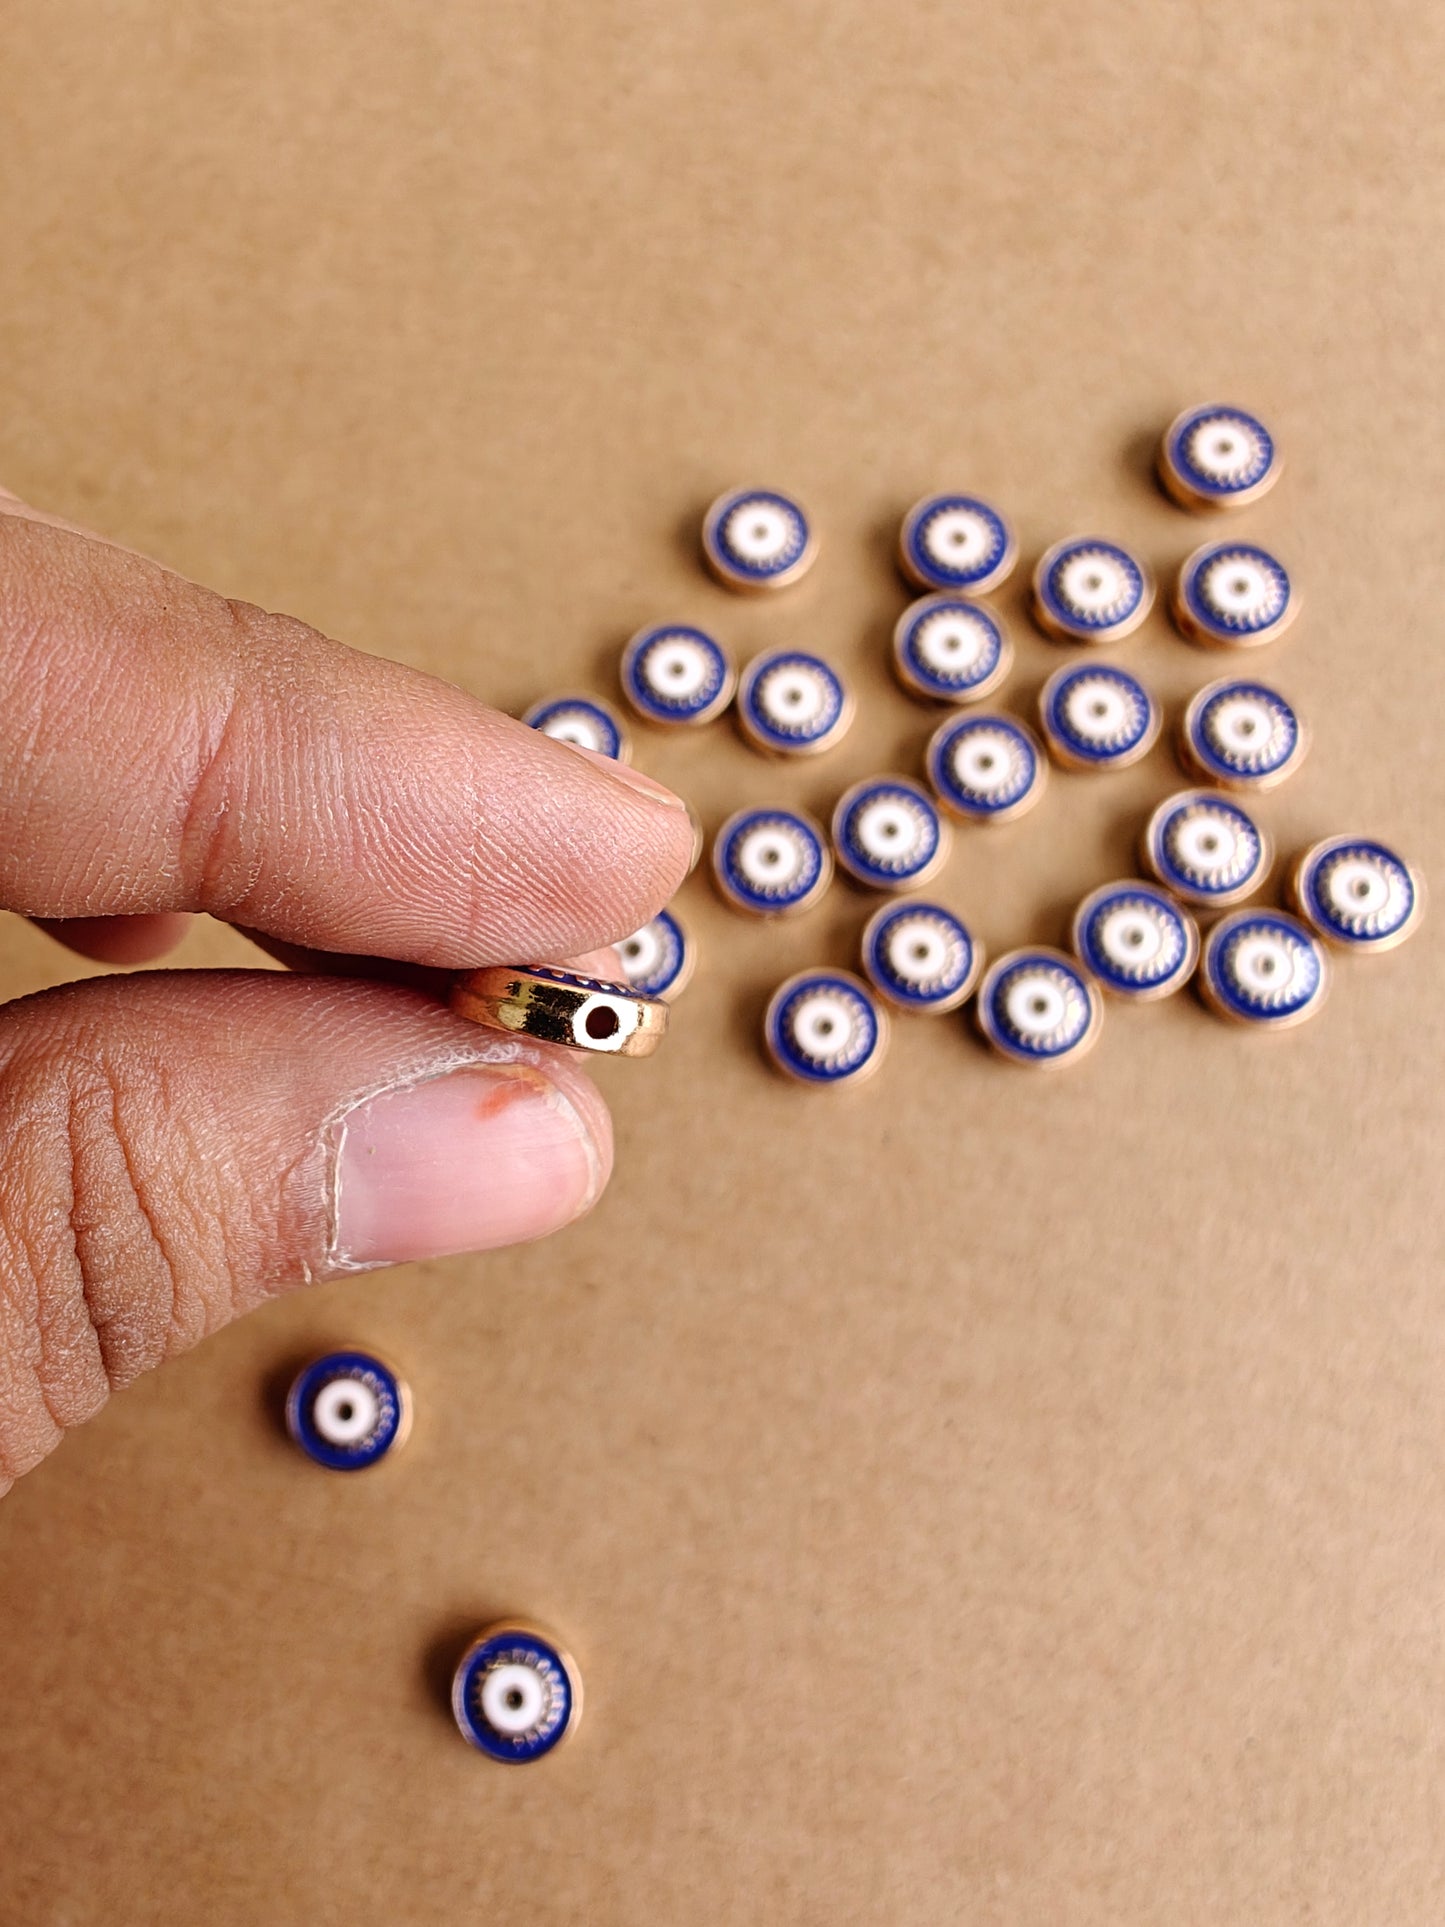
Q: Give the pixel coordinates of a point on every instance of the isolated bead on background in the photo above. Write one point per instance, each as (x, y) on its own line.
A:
(793, 703)
(1097, 717)
(1206, 848)
(676, 675)
(516, 1694)
(1263, 968)
(347, 1410)
(1038, 1006)
(823, 1027)
(920, 957)
(585, 721)
(771, 862)
(562, 1007)
(887, 833)
(658, 960)
(1217, 458)
(1241, 735)
(985, 769)
(1233, 595)
(1357, 893)
(950, 650)
(1089, 590)
(955, 542)
(757, 538)
(1135, 940)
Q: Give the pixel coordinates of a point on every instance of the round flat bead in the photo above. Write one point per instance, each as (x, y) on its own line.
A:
(1096, 717)
(1241, 735)
(1135, 940)
(1038, 1006)
(658, 960)
(562, 1007)
(791, 703)
(771, 863)
(676, 675)
(1206, 848)
(585, 721)
(950, 650)
(825, 1027)
(985, 769)
(516, 1695)
(1090, 590)
(1217, 458)
(887, 833)
(347, 1410)
(1233, 595)
(757, 538)
(920, 957)
(1263, 967)
(1357, 894)
(955, 542)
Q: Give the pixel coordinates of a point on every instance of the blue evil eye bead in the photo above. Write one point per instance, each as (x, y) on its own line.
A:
(658, 959)
(791, 703)
(920, 957)
(1232, 595)
(1090, 590)
(1263, 967)
(346, 1410)
(757, 538)
(888, 834)
(1135, 940)
(516, 1695)
(950, 650)
(585, 721)
(1217, 458)
(1357, 893)
(1241, 735)
(1039, 1007)
(1097, 717)
(824, 1027)
(673, 674)
(1206, 848)
(985, 769)
(955, 542)
(771, 863)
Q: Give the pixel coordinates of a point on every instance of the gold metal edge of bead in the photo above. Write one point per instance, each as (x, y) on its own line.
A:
(1294, 896)
(984, 1020)
(1154, 993)
(1261, 1025)
(1000, 573)
(721, 570)
(529, 1629)
(511, 999)
(866, 1069)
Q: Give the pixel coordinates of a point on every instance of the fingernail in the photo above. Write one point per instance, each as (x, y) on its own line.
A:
(465, 1162)
(633, 778)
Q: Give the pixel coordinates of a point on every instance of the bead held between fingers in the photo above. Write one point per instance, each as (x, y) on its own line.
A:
(562, 1007)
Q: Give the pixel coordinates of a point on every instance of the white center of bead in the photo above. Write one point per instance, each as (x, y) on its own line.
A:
(676, 668)
(985, 762)
(1241, 727)
(889, 831)
(1208, 845)
(1035, 1004)
(641, 953)
(958, 539)
(1265, 965)
(574, 728)
(514, 1699)
(919, 952)
(1224, 449)
(1096, 710)
(793, 696)
(1355, 889)
(825, 1027)
(346, 1411)
(758, 531)
(1235, 585)
(1130, 938)
(770, 859)
(952, 643)
(1093, 583)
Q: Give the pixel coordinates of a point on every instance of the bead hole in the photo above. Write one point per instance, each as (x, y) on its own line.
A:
(602, 1022)
(514, 1700)
(920, 953)
(1240, 585)
(345, 1410)
(632, 949)
(1361, 888)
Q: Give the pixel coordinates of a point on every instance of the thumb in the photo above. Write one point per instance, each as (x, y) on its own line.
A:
(177, 1146)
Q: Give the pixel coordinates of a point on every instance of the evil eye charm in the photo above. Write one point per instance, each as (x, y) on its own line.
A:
(1097, 717)
(658, 959)
(1217, 458)
(1039, 1007)
(673, 674)
(920, 957)
(791, 703)
(955, 542)
(346, 1410)
(1136, 940)
(1357, 893)
(562, 1007)
(757, 538)
(888, 834)
(1263, 967)
(950, 650)
(771, 863)
(824, 1027)
(1206, 848)
(1232, 595)
(585, 721)
(985, 769)
(1090, 590)
(516, 1695)
(1241, 735)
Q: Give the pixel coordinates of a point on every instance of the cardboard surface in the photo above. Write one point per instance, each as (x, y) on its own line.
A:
(985, 1497)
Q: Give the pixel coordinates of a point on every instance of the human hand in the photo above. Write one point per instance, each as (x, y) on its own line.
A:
(177, 1146)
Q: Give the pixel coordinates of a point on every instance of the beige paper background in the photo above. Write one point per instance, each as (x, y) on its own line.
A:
(978, 1498)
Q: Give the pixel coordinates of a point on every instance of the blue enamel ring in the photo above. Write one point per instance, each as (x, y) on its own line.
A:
(1090, 590)
(1206, 848)
(516, 1695)
(1217, 458)
(1263, 967)
(348, 1409)
(1094, 716)
(585, 721)
(824, 1027)
(1241, 735)
(674, 674)
(985, 769)
(887, 833)
(1357, 893)
(1233, 595)
(771, 863)
(659, 959)
(920, 957)
(955, 542)
(757, 538)
(950, 650)
(792, 703)
(1135, 940)
(1038, 1006)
